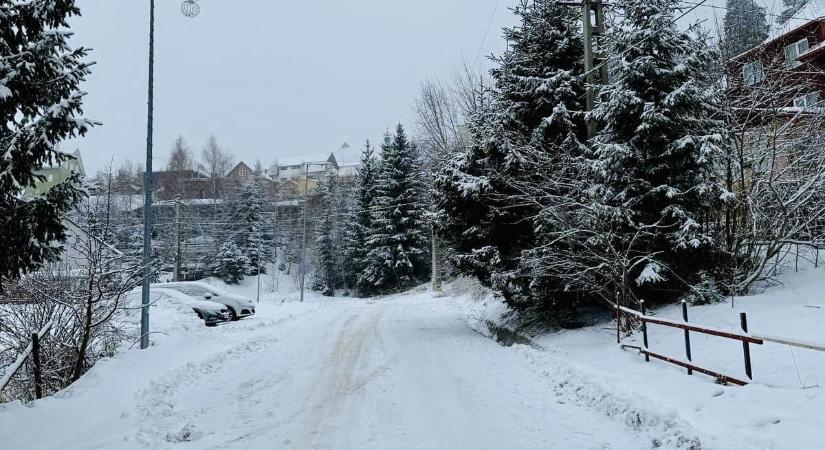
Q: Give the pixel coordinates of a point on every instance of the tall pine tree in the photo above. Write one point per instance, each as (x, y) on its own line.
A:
(230, 263)
(358, 223)
(251, 233)
(653, 156)
(745, 27)
(397, 256)
(327, 244)
(40, 106)
(536, 109)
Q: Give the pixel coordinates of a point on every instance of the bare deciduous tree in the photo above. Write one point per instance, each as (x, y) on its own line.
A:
(83, 295)
(773, 169)
(181, 157)
(215, 162)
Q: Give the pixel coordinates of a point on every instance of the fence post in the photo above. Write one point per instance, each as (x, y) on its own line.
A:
(644, 327)
(38, 376)
(796, 264)
(687, 336)
(618, 320)
(743, 319)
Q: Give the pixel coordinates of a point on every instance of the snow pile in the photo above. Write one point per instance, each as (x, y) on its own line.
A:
(132, 396)
(781, 409)
(572, 384)
(664, 428)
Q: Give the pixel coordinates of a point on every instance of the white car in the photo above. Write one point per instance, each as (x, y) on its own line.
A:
(238, 306)
(212, 313)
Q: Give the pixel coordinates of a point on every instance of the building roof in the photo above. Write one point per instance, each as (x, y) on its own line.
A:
(240, 165)
(75, 226)
(813, 11)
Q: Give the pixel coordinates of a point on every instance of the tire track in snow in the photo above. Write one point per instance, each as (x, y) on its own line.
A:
(159, 418)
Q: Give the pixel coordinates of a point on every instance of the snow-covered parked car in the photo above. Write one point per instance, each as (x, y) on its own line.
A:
(238, 306)
(212, 313)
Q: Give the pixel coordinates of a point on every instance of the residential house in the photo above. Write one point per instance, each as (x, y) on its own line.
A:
(776, 94)
(182, 184)
(57, 173)
(787, 72)
(81, 247)
(241, 174)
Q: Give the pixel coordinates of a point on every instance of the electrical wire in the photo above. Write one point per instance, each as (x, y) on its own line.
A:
(725, 8)
(486, 32)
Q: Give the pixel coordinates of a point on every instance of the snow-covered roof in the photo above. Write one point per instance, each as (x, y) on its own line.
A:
(350, 170)
(812, 11)
(79, 230)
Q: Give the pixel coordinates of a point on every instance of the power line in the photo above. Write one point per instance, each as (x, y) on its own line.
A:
(648, 36)
(486, 32)
(780, 16)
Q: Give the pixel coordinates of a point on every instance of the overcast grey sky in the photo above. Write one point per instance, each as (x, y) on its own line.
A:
(270, 78)
(274, 79)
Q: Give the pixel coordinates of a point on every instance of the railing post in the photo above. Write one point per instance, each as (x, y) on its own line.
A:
(743, 319)
(618, 320)
(644, 327)
(796, 264)
(687, 336)
(38, 376)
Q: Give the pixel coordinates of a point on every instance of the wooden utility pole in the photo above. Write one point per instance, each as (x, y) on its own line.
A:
(595, 61)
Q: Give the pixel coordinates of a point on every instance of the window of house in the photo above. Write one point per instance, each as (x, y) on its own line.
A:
(806, 101)
(243, 172)
(793, 51)
(753, 73)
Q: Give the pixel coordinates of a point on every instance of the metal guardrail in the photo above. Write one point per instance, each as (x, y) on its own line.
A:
(745, 337)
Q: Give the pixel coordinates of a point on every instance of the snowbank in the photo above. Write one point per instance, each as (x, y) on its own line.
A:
(781, 409)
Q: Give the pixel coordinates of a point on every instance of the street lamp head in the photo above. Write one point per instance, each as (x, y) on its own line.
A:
(190, 8)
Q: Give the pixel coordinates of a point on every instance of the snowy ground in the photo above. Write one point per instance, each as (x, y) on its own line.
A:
(784, 407)
(407, 372)
(400, 372)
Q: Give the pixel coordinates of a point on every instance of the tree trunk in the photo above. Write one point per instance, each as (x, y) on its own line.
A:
(84, 343)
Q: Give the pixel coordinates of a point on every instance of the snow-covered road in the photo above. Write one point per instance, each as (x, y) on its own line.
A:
(399, 373)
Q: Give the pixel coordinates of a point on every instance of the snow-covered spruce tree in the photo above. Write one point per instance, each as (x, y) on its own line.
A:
(327, 244)
(231, 264)
(536, 109)
(397, 256)
(251, 234)
(745, 27)
(40, 106)
(358, 224)
(652, 158)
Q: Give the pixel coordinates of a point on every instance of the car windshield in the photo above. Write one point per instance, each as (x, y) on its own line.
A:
(191, 290)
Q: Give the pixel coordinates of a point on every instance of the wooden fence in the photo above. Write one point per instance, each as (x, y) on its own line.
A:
(744, 336)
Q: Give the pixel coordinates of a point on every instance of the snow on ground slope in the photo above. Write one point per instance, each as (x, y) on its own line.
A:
(401, 372)
(784, 408)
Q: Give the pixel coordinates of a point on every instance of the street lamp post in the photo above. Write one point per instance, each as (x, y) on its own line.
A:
(189, 8)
